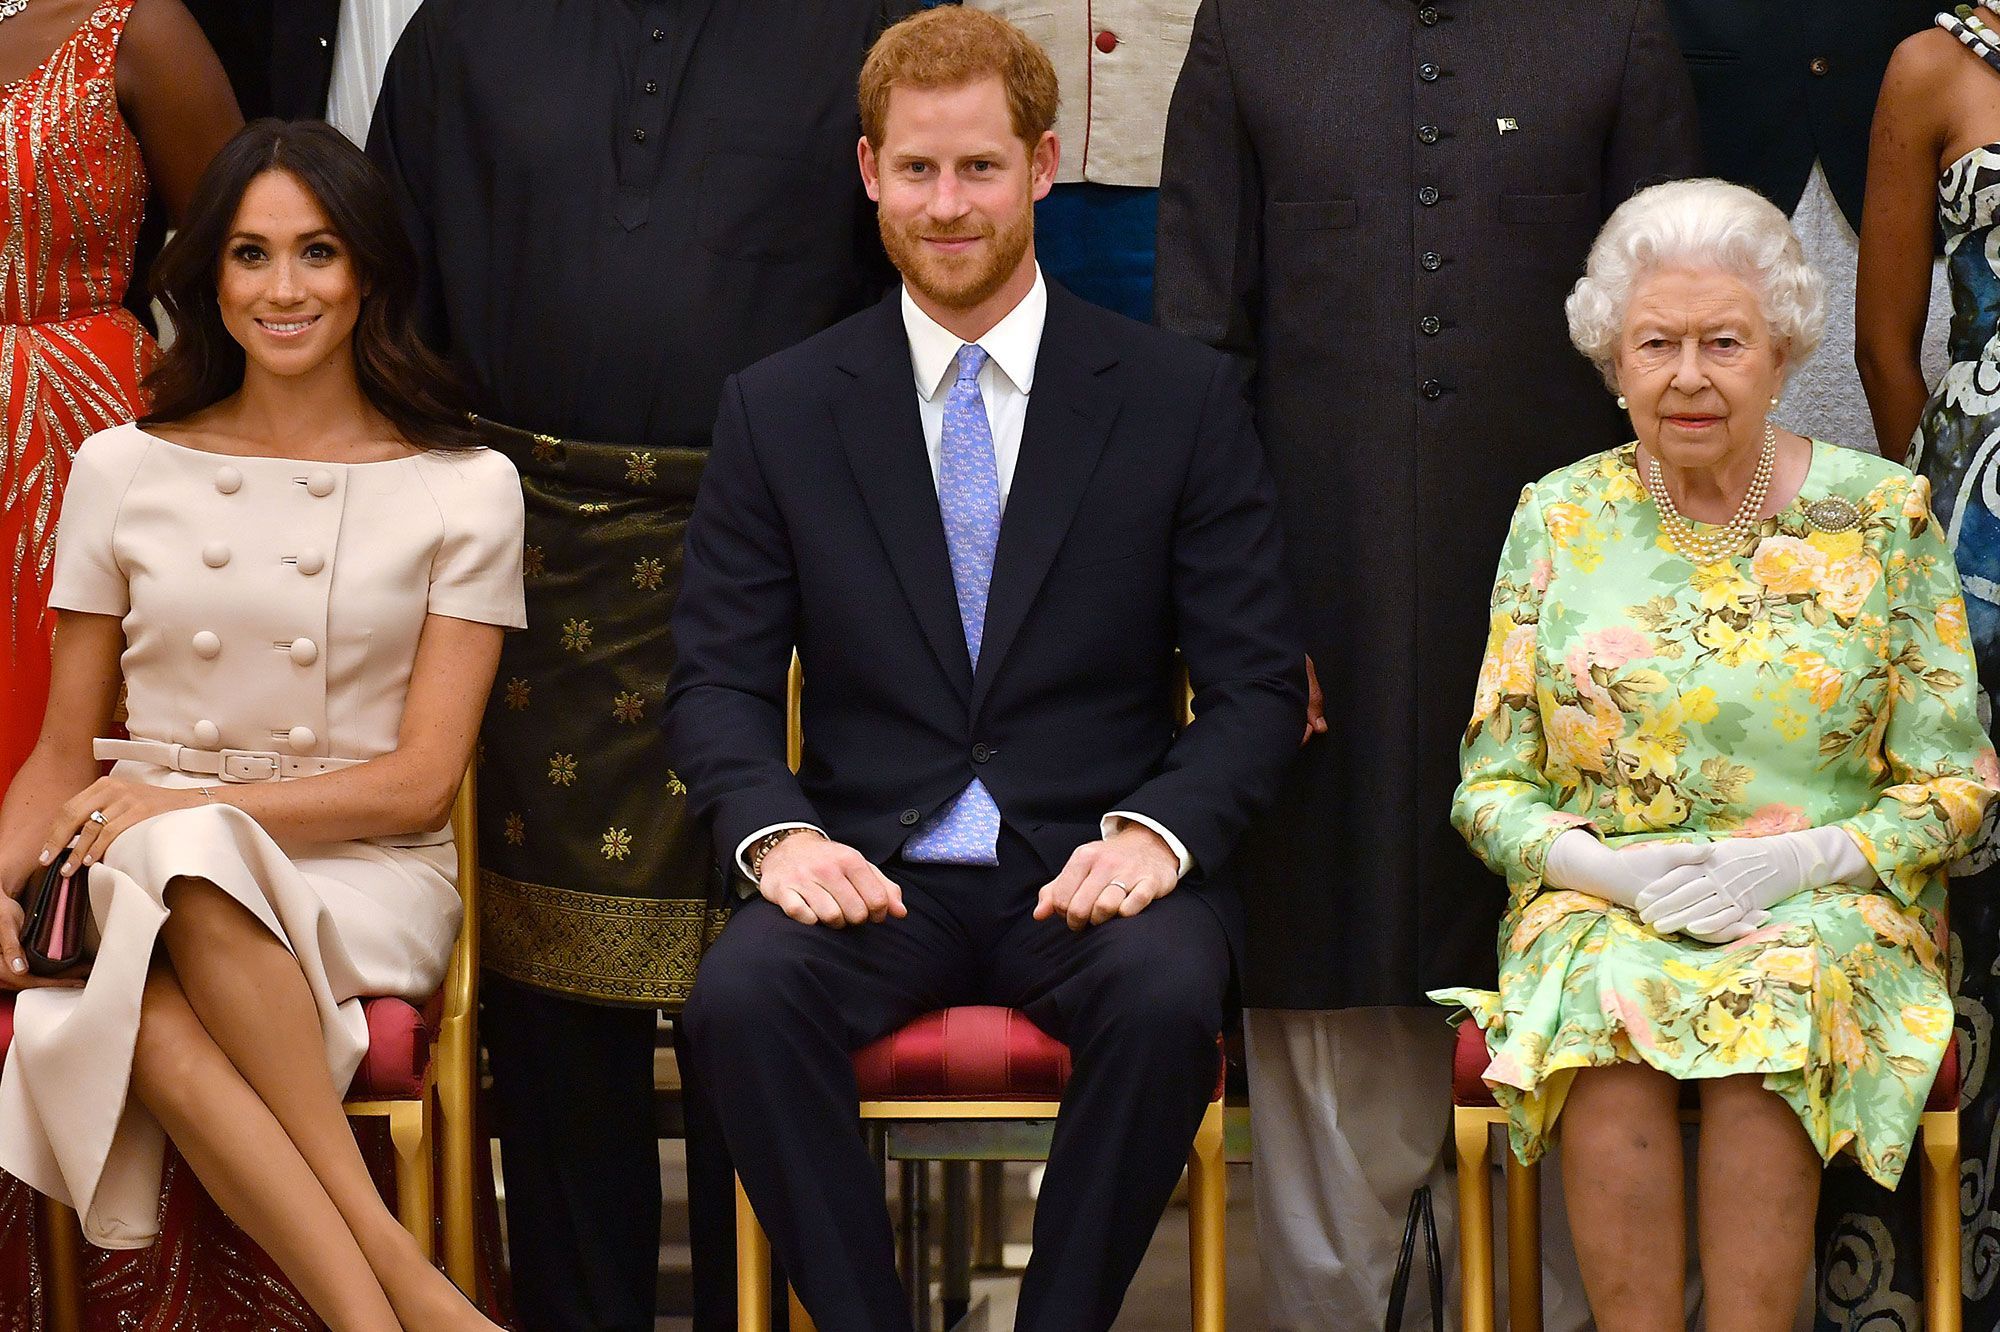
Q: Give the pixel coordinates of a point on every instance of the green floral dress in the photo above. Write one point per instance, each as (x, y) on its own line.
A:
(1820, 678)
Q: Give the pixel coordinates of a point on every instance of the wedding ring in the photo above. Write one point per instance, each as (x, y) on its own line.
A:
(1119, 886)
(97, 817)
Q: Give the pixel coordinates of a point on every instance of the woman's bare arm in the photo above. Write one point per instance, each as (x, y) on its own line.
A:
(83, 693)
(1899, 219)
(175, 96)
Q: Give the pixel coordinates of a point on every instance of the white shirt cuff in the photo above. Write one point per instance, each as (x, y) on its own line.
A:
(743, 847)
(1109, 825)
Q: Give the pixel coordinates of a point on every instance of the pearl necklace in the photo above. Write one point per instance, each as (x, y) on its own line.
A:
(1727, 539)
(9, 8)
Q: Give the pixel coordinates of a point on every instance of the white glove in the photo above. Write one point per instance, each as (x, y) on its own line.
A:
(1752, 874)
(1579, 862)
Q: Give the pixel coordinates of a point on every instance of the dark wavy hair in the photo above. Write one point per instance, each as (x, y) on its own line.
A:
(400, 375)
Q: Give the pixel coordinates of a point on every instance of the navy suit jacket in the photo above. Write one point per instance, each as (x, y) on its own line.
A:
(1141, 519)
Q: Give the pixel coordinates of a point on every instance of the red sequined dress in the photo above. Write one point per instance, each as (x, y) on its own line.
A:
(70, 357)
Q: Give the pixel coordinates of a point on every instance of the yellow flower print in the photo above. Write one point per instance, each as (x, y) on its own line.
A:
(617, 844)
(1720, 587)
(1654, 749)
(1787, 966)
(1917, 500)
(1576, 741)
(1734, 1037)
(1927, 1022)
(1565, 521)
(1733, 646)
(1843, 1035)
(516, 830)
(1699, 705)
(1787, 566)
(1621, 486)
(1509, 667)
(1544, 911)
(1665, 810)
(1845, 584)
(1836, 545)
(1816, 676)
(1964, 802)
(1587, 557)
(1894, 926)
(1790, 723)
(1951, 625)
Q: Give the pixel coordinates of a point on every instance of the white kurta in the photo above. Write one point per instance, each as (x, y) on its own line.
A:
(274, 607)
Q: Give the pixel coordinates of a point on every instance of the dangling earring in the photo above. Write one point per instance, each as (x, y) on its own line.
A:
(1774, 402)
(1622, 404)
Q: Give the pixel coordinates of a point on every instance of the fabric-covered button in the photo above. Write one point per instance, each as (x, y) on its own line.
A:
(215, 554)
(909, 818)
(207, 734)
(311, 562)
(319, 482)
(228, 480)
(206, 645)
(1107, 41)
(302, 739)
(304, 651)
(1428, 133)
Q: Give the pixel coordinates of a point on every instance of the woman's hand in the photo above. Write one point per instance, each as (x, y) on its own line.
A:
(92, 819)
(1315, 705)
(14, 963)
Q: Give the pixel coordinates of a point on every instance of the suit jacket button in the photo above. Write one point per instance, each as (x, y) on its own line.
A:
(980, 753)
(1821, 65)
(910, 817)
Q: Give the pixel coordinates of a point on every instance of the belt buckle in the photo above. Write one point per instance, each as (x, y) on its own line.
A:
(237, 765)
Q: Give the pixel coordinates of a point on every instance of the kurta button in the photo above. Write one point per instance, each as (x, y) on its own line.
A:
(1820, 65)
(1428, 196)
(1433, 390)
(659, 34)
(206, 645)
(980, 753)
(302, 739)
(652, 85)
(910, 817)
(638, 136)
(311, 562)
(1107, 42)
(1428, 16)
(1429, 71)
(215, 554)
(319, 482)
(1432, 261)
(207, 734)
(1431, 325)
(304, 651)
(1428, 133)
(228, 480)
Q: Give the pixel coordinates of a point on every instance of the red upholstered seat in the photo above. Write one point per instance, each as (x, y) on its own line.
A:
(976, 1053)
(399, 1049)
(1470, 1059)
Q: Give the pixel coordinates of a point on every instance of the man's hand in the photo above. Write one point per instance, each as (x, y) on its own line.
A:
(1119, 876)
(1315, 705)
(818, 881)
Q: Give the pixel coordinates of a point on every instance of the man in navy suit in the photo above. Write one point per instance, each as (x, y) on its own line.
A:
(986, 514)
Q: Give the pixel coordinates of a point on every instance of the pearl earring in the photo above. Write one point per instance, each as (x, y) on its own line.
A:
(1774, 402)
(1622, 404)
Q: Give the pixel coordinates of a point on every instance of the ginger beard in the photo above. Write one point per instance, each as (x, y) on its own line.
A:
(957, 281)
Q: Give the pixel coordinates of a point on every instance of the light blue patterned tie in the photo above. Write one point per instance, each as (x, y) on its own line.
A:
(966, 829)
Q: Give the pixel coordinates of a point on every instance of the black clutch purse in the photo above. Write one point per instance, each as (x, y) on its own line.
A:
(52, 934)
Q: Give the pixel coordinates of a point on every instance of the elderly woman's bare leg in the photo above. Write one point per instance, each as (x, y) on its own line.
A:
(243, 1157)
(1757, 1185)
(251, 997)
(1621, 1162)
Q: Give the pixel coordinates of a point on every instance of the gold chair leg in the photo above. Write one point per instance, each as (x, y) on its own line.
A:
(410, 1135)
(459, 1157)
(1475, 1216)
(801, 1321)
(1208, 1216)
(753, 1269)
(65, 1280)
(1524, 1245)
(1943, 1307)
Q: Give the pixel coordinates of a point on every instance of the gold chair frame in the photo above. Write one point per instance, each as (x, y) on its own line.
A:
(1937, 1168)
(1208, 1180)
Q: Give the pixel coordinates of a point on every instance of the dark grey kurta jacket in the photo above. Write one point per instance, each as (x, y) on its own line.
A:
(1380, 206)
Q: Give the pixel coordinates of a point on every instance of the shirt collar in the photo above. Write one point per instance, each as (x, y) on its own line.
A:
(1012, 344)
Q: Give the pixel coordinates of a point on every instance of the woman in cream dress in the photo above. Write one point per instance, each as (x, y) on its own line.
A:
(302, 574)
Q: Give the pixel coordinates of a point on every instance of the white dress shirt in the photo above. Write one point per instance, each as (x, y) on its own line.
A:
(1005, 382)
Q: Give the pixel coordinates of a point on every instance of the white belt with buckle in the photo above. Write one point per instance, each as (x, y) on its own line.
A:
(229, 765)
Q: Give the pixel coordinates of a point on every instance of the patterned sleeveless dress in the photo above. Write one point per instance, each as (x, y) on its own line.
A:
(70, 358)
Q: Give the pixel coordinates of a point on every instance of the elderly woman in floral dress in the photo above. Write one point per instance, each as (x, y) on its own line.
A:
(1724, 742)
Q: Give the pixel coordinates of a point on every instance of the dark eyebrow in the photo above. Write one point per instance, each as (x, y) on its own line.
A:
(326, 233)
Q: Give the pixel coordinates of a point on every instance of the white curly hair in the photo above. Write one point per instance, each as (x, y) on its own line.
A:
(1697, 224)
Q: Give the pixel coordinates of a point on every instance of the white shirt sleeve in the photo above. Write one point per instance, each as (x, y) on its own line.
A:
(1109, 825)
(743, 847)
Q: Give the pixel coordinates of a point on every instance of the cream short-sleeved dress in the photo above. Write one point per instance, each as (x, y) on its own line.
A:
(270, 606)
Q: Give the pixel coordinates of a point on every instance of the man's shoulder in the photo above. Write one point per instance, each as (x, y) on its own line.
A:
(1157, 353)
